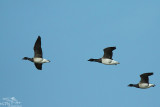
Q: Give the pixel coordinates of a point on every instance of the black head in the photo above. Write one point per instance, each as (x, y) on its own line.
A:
(133, 85)
(130, 85)
(25, 58)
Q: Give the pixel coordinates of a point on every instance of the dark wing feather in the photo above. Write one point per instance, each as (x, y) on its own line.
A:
(108, 52)
(38, 66)
(37, 48)
(144, 77)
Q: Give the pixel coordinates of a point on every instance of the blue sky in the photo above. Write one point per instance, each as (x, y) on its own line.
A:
(73, 31)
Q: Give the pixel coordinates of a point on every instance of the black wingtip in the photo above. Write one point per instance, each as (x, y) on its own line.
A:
(111, 48)
(39, 68)
(114, 47)
(147, 74)
(151, 73)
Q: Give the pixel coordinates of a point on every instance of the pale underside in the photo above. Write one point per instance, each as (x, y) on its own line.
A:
(145, 85)
(109, 61)
(40, 60)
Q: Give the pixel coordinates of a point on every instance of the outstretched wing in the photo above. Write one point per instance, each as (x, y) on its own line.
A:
(38, 66)
(37, 48)
(108, 52)
(144, 77)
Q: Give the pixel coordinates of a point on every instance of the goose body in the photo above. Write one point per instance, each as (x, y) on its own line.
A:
(38, 60)
(144, 82)
(107, 57)
(107, 61)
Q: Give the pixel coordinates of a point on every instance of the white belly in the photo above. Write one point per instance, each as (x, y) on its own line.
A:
(143, 85)
(106, 61)
(38, 60)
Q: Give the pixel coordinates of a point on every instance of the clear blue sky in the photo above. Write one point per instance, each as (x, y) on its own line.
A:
(72, 32)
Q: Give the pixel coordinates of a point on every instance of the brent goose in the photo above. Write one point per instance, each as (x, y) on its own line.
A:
(38, 57)
(144, 83)
(107, 57)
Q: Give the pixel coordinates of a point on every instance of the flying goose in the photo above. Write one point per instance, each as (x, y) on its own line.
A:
(144, 83)
(38, 59)
(107, 57)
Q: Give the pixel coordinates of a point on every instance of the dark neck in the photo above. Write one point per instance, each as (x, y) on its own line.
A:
(134, 85)
(95, 60)
(26, 58)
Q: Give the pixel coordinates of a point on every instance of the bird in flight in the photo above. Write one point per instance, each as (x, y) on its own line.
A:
(38, 59)
(144, 83)
(107, 57)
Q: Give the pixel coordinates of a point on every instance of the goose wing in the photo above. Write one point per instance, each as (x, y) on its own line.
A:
(144, 77)
(37, 48)
(108, 52)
